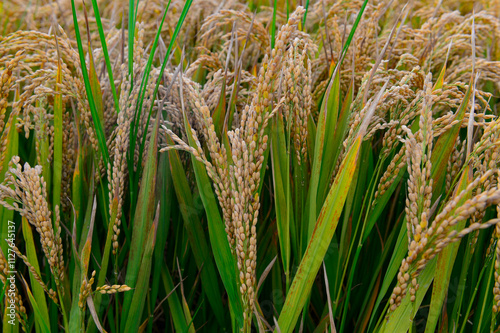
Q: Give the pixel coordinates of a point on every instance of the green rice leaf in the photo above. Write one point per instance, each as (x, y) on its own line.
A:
(105, 53)
(196, 235)
(88, 88)
(44, 326)
(318, 245)
(224, 259)
(133, 320)
(142, 221)
(58, 139)
(281, 170)
(42, 318)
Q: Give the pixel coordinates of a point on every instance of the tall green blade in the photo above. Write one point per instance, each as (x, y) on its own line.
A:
(95, 116)
(142, 221)
(320, 240)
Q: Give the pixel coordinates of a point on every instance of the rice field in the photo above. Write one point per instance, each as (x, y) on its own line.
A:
(250, 166)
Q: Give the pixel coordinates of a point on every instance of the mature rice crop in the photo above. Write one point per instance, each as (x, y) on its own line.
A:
(285, 166)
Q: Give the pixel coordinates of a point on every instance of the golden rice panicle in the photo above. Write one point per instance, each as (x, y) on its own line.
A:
(218, 170)
(298, 96)
(397, 163)
(485, 156)
(116, 288)
(257, 114)
(235, 185)
(38, 82)
(477, 203)
(248, 145)
(487, 142)
(138, 57)
(404, 117)
(28, 188)
(117, 172)
(212, 32)
(7, 80)
(487, 152)
(85, 290)
(440, 232)
(418, 203)
(400, 117)
(331, 17)
(44, 131)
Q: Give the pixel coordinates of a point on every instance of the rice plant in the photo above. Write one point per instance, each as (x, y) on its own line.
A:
(258, 166)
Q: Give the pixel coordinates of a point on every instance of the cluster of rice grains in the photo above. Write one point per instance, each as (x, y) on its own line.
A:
(426, 240)
(236, 180)
(431, 229)
(25, 192)
(297, 85)
(404, 71)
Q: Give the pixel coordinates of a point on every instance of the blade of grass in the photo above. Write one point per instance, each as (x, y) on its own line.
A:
(182, 17)
(313, 204)
(273, 24)
(320, 133)
(93, 78)
(318, 245)
(142, 286)
(165, 196)
(93, 313)
(6, 215)
(102, 275)
(333, 127)
(324, 229)
(43, 325)
(141, 220)
(95, 117)
(58, 135)
(42, 314)
(196, 235)
(134, 126)
(330, 311)
(131, 34)
(280, 172)
(218, 238)
(487, 266)
(174, 304)
(185, 306)
(305, 14)
(81, 267)
(104, 46)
